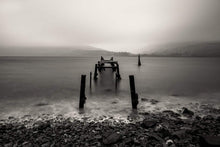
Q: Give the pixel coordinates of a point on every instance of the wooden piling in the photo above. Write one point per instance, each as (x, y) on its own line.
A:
(116, 81)
(134, 95)
(95, 73)
(82, 98)
(90, 80)
(118, 72)
(139, 60)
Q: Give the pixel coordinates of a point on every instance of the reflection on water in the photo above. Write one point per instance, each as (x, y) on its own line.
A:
(26, 82)
(106, 82)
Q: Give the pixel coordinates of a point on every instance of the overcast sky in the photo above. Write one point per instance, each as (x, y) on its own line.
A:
(118, 25)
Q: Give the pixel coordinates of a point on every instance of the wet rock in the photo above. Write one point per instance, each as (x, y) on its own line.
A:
(186, 111)
(112, 138)
(175, 95)
(47, 144)
(114, 102)
(209, 141)
(26, 144)
(9, 144)
(97, 129)
(180, 134)
(98, 137)
(155, 136)
(171, 113)
(148, 123)
(41, 104)
(164, 132)
(144, 99)
(153, 101)
(136, 142)
(170, 143)
(208, 117)
(11, 117)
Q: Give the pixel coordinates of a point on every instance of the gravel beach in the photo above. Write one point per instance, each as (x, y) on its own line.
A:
(163, 129)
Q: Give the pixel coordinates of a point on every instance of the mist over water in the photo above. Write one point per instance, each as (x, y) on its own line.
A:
(37, 85)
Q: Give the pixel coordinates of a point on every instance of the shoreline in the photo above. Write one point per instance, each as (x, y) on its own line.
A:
(165, 128)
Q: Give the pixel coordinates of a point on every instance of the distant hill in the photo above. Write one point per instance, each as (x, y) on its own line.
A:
(210, 49)
(53, 51)
(87, 51)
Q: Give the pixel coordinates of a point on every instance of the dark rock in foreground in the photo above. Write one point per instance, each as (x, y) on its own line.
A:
(187, 112)
(161, 129)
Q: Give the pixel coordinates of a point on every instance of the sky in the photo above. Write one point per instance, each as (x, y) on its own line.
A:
(116, 25)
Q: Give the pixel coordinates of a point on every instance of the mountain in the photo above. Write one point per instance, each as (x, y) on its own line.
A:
(53, 51)
(208, 49)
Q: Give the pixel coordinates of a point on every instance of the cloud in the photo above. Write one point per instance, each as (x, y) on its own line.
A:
(115, 24)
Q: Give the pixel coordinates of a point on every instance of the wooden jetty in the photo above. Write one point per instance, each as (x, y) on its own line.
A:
(102, 65)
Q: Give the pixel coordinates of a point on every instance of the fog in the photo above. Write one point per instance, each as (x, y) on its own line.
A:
(116, 25)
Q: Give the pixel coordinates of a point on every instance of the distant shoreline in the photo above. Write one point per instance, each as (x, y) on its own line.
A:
(121, 56)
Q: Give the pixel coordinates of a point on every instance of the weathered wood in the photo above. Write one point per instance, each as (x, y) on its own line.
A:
(139, 60)
(95, 74)
(106, 67)
(134, 95)
(82, 98)
(118, 72)
(116, 82)
(101, 66)
(90, 80)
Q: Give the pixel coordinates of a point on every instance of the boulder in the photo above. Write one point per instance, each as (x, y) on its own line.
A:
(187, 112)
(209, 141)
(112, 138)
(148, 123)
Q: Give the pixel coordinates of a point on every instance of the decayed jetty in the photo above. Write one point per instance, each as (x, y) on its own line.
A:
(102, 65)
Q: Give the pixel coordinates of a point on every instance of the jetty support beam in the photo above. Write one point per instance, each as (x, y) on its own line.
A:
(134, 95)
(82, 98)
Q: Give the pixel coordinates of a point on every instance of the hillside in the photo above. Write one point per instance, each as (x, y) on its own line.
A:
(211, 49)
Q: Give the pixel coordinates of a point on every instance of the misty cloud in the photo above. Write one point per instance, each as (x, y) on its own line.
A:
(114, 25)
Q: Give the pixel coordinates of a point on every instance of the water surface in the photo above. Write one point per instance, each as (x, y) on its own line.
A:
(36, 85)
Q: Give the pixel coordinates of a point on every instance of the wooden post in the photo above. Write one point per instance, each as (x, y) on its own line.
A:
(90, 80)
(116, 81)
(82, 98)
(134, 95)
(139, 60)
(95, 74)
(118, 73)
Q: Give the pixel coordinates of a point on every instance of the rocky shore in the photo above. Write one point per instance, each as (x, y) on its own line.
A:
(164, 129)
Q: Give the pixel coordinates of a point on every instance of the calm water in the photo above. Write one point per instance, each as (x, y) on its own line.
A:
(27, 82)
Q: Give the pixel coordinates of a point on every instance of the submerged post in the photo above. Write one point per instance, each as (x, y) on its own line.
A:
(118, 72)
(82, 98)
(139, 60)
(90, 80)
(95, 74)
(134, 95)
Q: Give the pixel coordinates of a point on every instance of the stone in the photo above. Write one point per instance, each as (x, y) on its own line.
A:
(144, 99)
(26, 144)
(112, 138)
(153, 101)
(209, 141)
(8, 144)
(187, 112)
(169, 142)
(148, 123)
(208, 117)
(98, 137)
(97, 129)
(114, 102)
(179, 134)
(47, 144)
